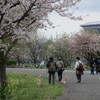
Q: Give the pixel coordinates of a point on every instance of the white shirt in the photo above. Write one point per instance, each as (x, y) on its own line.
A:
(77, 64)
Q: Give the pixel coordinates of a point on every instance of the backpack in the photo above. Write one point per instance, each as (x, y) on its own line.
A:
(60, 66)
(80, 67)
(52, 66)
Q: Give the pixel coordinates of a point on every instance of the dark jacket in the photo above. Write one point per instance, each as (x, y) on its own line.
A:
(97, 61)
(92, 63)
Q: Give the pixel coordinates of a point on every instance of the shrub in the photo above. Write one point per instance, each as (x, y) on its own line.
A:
(11, 62)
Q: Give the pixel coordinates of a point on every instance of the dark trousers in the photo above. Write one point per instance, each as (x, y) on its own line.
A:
(60, 75)
(92, 70)
(97, 69)
(51, 77)
(78, 77)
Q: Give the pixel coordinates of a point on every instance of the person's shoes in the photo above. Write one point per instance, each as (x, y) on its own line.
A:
(78, 81)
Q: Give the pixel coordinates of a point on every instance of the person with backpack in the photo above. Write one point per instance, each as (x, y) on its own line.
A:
(52, 67)
(60, 67)
(77, 66)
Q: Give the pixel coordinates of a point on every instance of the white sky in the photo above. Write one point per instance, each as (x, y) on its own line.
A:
(91, 7)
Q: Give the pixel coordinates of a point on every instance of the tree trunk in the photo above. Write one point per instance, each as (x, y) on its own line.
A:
(18, 61)
(35, 61)
(2, 74)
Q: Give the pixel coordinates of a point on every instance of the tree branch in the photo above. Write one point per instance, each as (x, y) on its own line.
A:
(13, 43)
(15, 4)
(1, 17)
(32, 22)
(25, 14)
(5, 2)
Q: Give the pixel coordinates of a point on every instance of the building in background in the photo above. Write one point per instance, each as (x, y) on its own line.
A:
(94, 26)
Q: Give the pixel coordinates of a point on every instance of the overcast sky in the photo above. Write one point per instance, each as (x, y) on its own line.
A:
(91, 7)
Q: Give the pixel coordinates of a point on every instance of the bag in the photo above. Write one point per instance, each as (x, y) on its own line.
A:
(61, 69)
(52, 66)
(60, 66)
(80, 67)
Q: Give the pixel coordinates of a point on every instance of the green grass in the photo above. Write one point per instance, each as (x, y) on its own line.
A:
(24, 87)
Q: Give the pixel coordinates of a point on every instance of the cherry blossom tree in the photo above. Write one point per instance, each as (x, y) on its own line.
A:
(35, 43)
(85, 44)
(17, 15)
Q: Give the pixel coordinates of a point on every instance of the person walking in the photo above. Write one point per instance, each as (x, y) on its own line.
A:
(78, 73)
(97, 62)
(60, 67)
(92, 65)
(52, 67)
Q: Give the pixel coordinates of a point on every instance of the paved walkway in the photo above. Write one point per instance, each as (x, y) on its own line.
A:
(88, 89)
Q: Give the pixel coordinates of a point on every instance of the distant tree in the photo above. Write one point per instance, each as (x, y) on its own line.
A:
(60, 47)
(35, 43)
(46, 52)
(18, 52)
(85, 44)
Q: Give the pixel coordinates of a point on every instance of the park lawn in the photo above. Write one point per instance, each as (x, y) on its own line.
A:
(24, 87)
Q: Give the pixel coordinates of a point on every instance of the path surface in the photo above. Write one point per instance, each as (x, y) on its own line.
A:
(88, 89)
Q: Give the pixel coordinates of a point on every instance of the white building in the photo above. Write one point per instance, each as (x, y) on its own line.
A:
(94, 26)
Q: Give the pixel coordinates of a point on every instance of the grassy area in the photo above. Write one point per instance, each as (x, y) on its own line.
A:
(24, 87)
